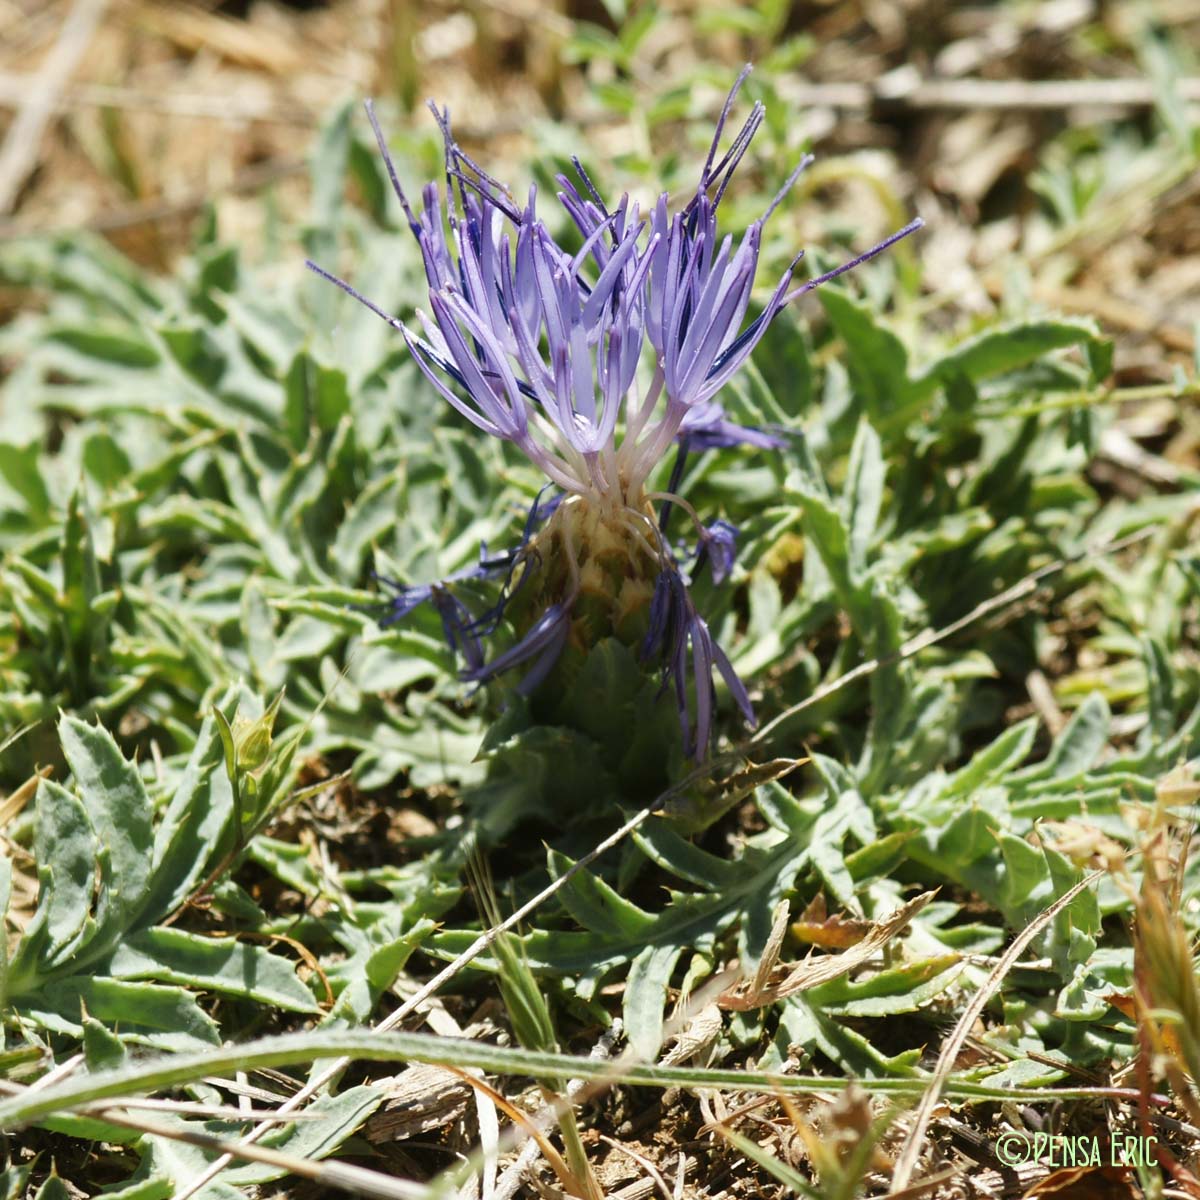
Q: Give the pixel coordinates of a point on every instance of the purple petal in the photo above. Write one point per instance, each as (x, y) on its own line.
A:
(391, 168)
(718, 543)
(456, 626)
(736, 688)
(509, 419)
(427, 358)
(544, 641)
(707, 173)
(706, 427)
(878, 248)
(702, 665)
(674, 628)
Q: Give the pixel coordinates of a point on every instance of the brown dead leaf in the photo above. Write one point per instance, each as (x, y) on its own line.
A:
(696, 1036)
(194, 29)
(1179, 786)
(698, 806)
(13, 805)
(1083, 844)
(1086, 1183)
(834, 1131)
(839, 932)
(786, 979)
(1123, 1003)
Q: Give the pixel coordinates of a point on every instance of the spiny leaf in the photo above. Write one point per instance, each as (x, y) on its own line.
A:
(999, 350)
(194, 826)
(115, 797)
(226, 965)
(65, 847)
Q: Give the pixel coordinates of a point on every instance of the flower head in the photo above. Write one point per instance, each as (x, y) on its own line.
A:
(594, 364)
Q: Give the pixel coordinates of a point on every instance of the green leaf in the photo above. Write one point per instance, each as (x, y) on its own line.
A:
(194, 827)
(880, 858)
(1159, 60)
(595, 905)
(372, 514)
(5, 897)
(863, 493)
(1160, 699)
(377, 972)
(1099, 353)
(53, 1189)
(314, 395)
(540, 770)
(288, 862)
(166, 470)
(685, 860)
(1027, 876)
(616, 95)
(803, 1023)
(217, 272)
(115, 798)
(84, 265)
(80, 588)
(266, 328)
(194, 348)
(107, 345)
(226, 965)
(329, 1121)
(830, 865)
(1076, 927)
(106, 461)
(637, 26)
(826, 529)
(1008, 751)
(20, 469)
(876, 357)
(156, 1187)
(966, 838)
(646, 997)
(102, 1049)
(165, 1017)
(886, 993)
(65, 849)
(329, 160)
(175, 1164)
(1078, 745)
(996, 351)
(14, 1183)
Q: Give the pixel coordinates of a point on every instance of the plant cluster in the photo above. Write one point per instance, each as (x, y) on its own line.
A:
(244, 811)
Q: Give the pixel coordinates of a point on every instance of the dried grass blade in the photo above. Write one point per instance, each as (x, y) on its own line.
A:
(958, 1036)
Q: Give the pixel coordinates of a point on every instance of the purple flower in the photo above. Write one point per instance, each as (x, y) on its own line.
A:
(457, 619)
(593, 364)
(707, 427)
(542, 644)
(718, 546)
(679, 639)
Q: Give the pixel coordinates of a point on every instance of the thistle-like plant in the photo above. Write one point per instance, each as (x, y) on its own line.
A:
(595, 365)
